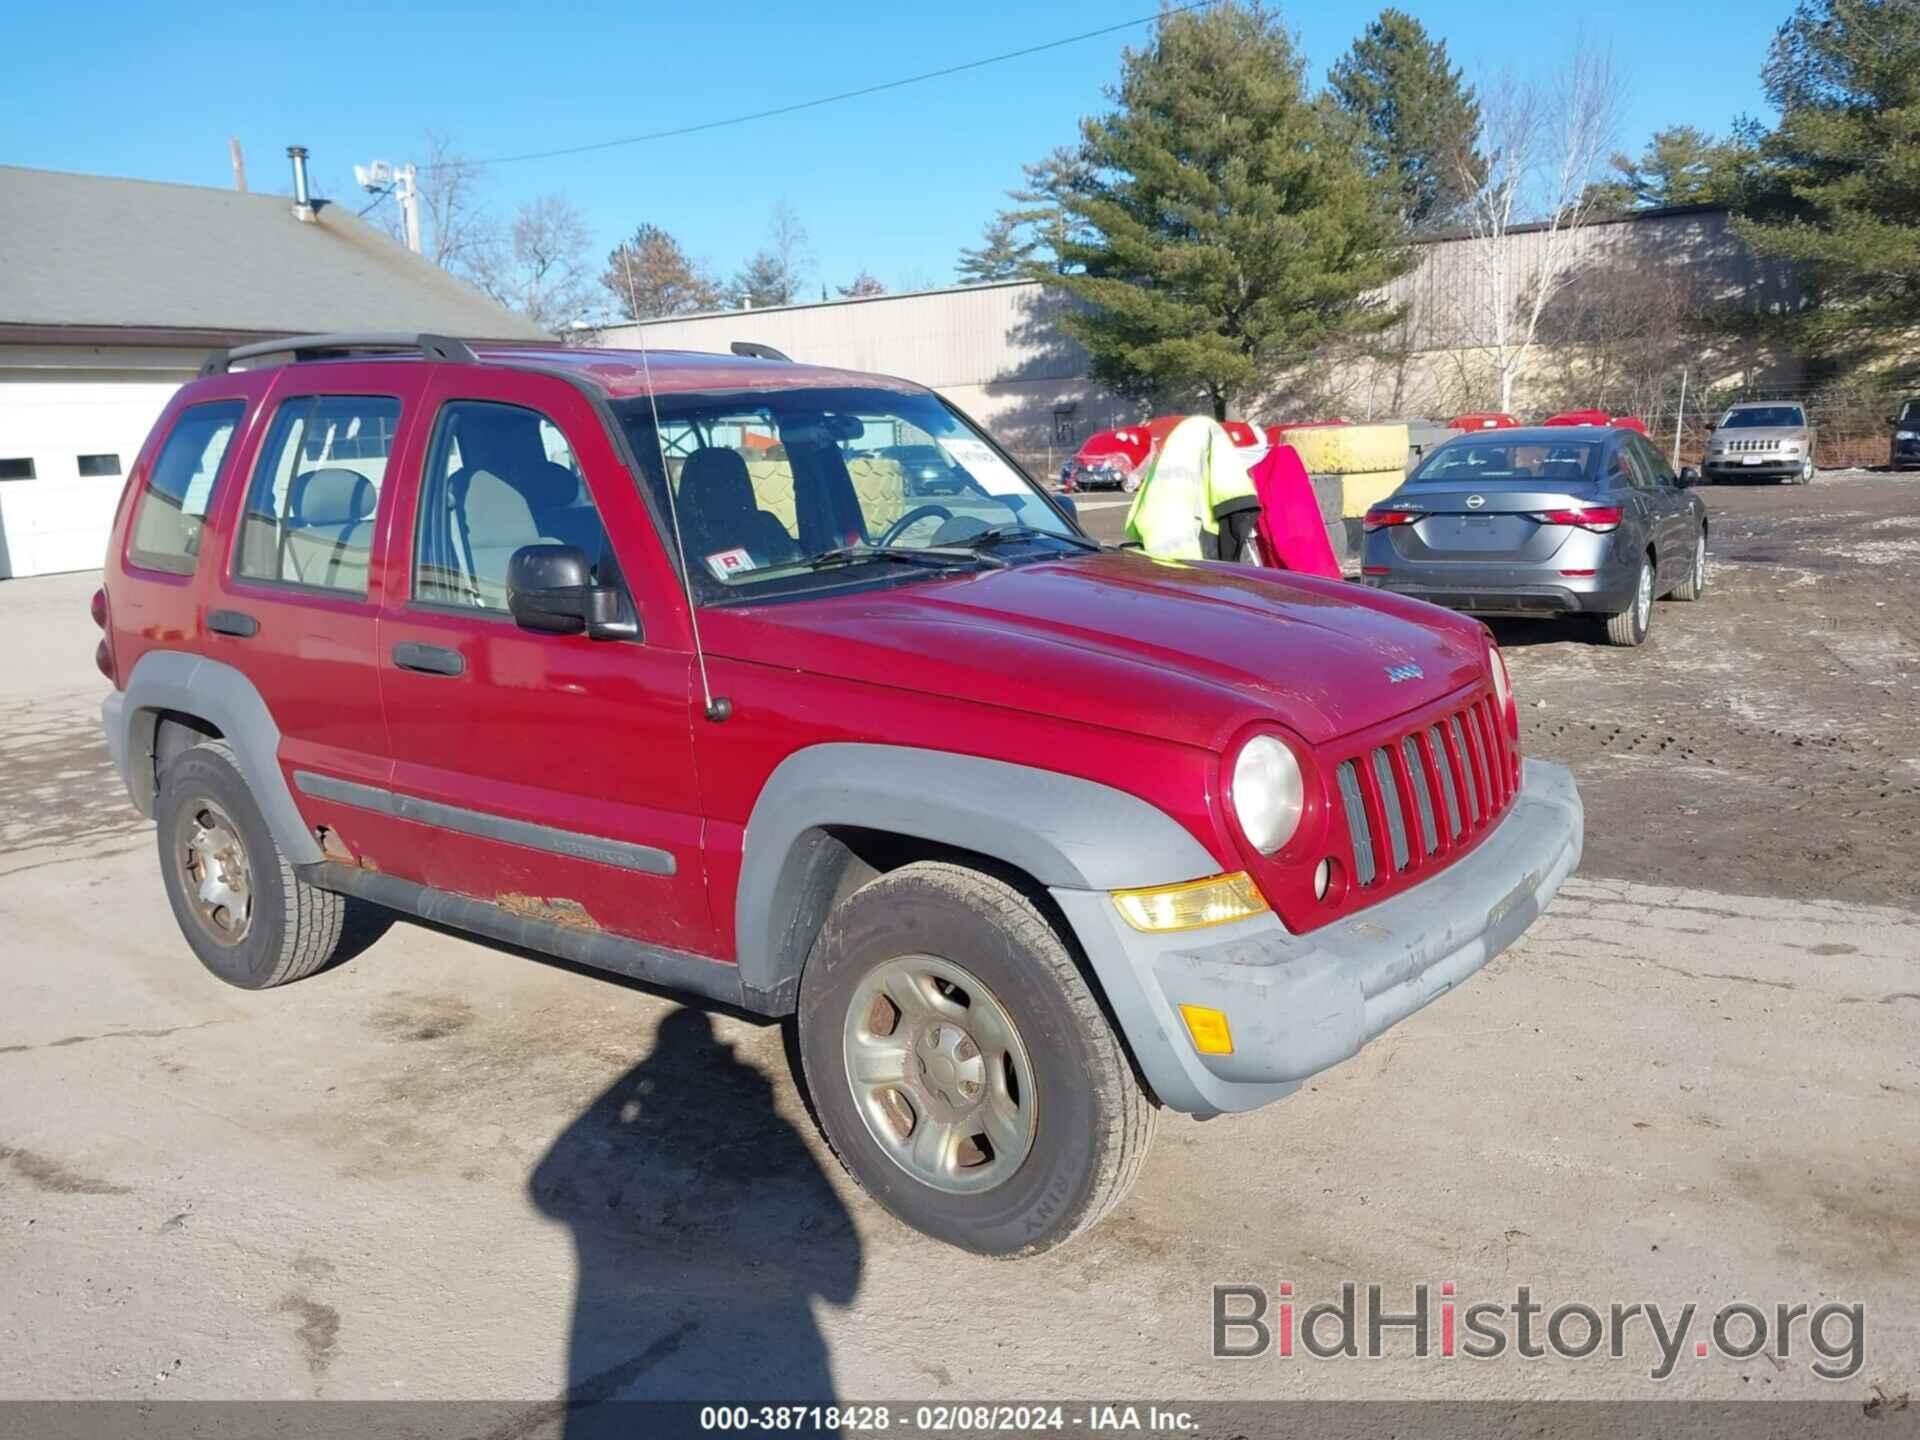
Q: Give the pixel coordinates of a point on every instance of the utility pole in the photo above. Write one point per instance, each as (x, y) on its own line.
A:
(1679, 416)
(403, 183)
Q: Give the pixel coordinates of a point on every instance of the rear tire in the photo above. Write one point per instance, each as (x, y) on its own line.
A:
(1695, 585)
(996, 1038)
(1630, 626)
(249, 918)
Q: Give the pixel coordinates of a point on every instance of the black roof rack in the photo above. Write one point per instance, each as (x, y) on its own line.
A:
(754, 350)
(320, 347)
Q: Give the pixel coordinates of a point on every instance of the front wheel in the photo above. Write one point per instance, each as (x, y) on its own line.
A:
(1629, 627)
(1806, 471)
(961, 1066)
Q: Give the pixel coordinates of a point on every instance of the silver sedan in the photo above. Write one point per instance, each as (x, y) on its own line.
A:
(1562, 520)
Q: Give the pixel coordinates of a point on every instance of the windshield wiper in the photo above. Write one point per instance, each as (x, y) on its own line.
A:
(1000, 534)
(935, 557)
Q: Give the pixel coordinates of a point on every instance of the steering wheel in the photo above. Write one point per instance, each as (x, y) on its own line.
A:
(919, 512)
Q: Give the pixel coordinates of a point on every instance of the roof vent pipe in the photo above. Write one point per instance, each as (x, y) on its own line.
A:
(302, 199)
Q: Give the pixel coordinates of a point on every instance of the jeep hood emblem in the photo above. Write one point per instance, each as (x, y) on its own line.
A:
(1409, 671)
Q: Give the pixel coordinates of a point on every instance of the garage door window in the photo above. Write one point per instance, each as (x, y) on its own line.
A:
(309, 514)
(173, 507)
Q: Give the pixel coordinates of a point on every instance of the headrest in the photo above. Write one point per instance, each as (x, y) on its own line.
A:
(500, 438)
(547, 485)
(331, 496)
(715, 478)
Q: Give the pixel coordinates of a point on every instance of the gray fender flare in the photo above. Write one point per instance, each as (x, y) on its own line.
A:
(1065, 832)
(224, 698)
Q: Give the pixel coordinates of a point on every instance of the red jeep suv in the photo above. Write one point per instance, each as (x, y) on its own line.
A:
(661, 663)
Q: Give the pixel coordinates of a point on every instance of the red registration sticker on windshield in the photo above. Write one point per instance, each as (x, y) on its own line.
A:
(725, 564)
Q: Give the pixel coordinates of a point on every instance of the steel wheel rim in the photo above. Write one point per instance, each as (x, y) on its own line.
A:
(1700, 563)
(215, 872)
(1643, 602)
(939, 1074)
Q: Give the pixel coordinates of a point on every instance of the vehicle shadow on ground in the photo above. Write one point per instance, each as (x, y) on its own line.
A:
(703, 1231)
(1515, 634)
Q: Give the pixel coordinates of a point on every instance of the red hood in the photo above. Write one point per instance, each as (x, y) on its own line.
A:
(1182, 651)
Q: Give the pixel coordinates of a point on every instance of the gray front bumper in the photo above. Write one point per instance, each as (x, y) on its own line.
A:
(1300, 1003)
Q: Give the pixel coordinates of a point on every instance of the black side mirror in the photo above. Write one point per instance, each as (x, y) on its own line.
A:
(550, 589)
(1689, 476)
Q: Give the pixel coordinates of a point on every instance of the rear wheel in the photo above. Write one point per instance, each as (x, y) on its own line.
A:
(1629, 627)
(1695, 585)
(962, 1068)
(247, 915)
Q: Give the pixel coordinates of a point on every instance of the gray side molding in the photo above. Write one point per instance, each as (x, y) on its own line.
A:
(1067, 833)
(224, 698)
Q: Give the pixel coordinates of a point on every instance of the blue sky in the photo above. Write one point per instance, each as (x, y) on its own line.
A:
(894, 183)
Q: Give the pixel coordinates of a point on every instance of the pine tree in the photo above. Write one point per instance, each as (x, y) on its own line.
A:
(1220, 230)
(1001, 255)
(649, 275)
(1838, 187)
(1679, 166)
(1417, 115)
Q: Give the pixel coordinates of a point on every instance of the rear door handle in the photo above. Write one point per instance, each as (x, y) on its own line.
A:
(429, 659)
(233, 622)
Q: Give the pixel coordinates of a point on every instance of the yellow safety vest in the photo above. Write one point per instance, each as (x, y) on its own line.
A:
(1196, 477)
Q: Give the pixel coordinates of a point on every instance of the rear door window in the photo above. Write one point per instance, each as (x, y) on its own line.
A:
(310, 509)
(172, 510)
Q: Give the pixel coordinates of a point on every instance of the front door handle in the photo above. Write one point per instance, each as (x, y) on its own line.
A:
(237, 623)
(429, 659)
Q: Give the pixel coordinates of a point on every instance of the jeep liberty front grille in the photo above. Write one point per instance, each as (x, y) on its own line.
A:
(1412, 801)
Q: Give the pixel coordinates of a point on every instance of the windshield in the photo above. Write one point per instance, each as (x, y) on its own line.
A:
(1755, 417)
(1910, 413)
(774, 489)
(1473, 462)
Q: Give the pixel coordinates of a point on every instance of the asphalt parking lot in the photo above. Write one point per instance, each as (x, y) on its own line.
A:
(446, 1171)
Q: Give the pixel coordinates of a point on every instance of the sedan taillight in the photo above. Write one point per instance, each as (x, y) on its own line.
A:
(1597, 518)
(1381, 519)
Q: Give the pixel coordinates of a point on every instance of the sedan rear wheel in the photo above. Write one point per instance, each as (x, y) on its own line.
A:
(1629, 627)
(1695, 585)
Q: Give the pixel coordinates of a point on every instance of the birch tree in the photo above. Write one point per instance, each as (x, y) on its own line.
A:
(1540, 147)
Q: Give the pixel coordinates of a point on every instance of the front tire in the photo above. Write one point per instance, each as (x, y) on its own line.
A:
(249, 918)
(961, 1066)
(1630, 626)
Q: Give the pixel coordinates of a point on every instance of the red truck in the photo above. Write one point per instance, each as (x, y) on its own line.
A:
(661, 664)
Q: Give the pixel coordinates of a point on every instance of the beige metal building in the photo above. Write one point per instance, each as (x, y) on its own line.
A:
(999, 352)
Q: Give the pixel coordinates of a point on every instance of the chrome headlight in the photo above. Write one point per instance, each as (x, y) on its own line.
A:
(1267, 792)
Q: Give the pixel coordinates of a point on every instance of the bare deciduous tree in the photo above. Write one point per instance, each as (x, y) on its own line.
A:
(457, 232)
(541, 269)
(1540, 147)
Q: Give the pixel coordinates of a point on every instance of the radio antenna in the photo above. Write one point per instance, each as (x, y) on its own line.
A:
(718, 707)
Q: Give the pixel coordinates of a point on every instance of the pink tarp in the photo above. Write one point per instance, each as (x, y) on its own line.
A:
(1292, 534)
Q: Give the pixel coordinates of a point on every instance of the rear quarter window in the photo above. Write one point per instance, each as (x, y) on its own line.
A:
(172, 510)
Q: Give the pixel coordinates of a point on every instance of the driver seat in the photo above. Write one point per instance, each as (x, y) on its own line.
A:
(719, 511)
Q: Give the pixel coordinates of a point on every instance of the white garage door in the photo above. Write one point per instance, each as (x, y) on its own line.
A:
(65, 449)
